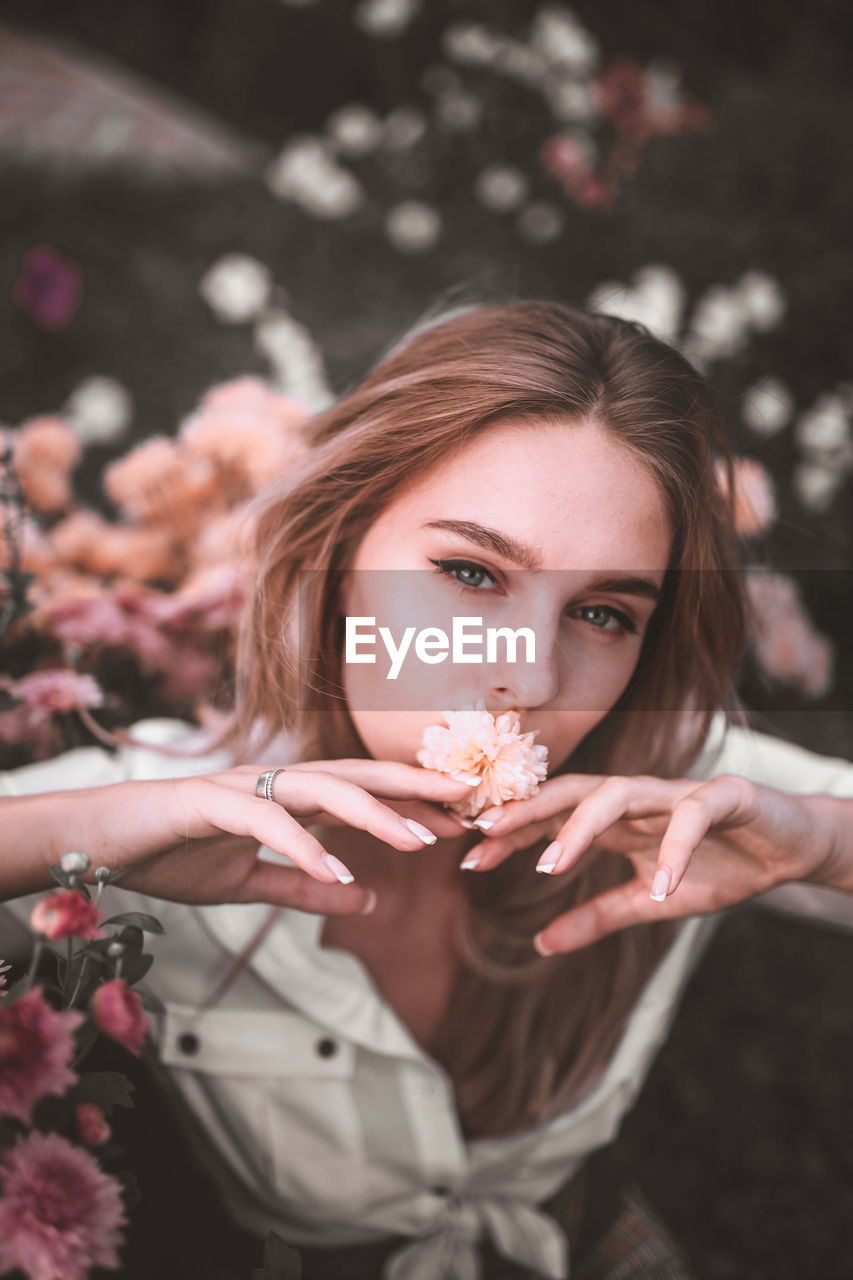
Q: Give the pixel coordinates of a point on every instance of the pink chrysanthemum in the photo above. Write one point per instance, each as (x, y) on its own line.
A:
(66, 915)
(117, 1012)
(60, 1215)
(92, 1124)
(36, 1049)
(476, 745)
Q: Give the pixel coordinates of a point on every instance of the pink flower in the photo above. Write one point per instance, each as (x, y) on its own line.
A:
(117, 1012)
(754, 503)
(46, 450)
(155, 481)
(57, 689)
(92, 1124)
(66, 915)
(49, 287)
(88, 620)
(476, 745)
(36, 1048)
(785, 642)
(60, 1215)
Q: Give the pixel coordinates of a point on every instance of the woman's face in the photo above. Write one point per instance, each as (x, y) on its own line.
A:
(590, 520)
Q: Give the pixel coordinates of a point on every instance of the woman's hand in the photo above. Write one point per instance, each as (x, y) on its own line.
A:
(196, 839)
(696, 847)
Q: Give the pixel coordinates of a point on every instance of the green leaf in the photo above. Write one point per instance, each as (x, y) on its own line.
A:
(138, 918)
(108, 1088)
(281, 1262)
(134, 967)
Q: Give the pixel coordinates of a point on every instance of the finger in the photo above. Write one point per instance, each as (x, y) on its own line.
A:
(494, 850)
(605, 914)
(287, 887)
(388, 778)
(692, 818)
(325, 793)
(210, 809)
(616, 798)
(555, 795)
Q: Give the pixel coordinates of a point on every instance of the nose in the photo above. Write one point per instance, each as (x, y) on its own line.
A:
(520, 684)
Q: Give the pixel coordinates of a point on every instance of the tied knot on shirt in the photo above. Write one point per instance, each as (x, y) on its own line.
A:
(450, 1246)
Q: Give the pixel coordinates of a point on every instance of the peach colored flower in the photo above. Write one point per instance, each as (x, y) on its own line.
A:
(249, 431)
(754, 501)
(60, 1214)
(36, 1049)
(476, 745)
(46, 450)
(92, 1124)
(117, 1011)
(66, 915)
(157, 482)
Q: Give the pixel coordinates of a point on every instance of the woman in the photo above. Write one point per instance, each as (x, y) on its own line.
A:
(397, 1081)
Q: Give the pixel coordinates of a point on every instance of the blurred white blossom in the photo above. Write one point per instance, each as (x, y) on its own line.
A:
(404, 127)
(501, 188)
(559, 36)
(385, 18)
(763, 300)
(540, 223)
(355, 130)
(816, 486)
(413, 227)
(823, 432)
(655, 298)
(458, 111)
(295, 358)
(236, 288)
(100, 408)
(767, 407)
(307, 172)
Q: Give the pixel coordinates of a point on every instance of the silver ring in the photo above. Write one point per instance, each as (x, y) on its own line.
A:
(266, 782)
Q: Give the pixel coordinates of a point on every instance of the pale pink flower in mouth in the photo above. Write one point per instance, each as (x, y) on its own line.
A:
(477, 746)
(60, 1214)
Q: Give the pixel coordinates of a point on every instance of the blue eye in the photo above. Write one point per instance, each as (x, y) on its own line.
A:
(451, 568)
(624, 623)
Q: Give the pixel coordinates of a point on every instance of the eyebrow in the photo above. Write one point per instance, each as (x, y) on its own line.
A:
(511, 549)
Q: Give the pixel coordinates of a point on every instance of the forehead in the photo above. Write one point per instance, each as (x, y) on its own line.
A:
(571, 491)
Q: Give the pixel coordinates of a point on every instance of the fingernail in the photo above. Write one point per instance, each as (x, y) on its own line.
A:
(472, 860)
(660, 884)
(466, 822)
(550, 857)
(337, 867)
(419, 830)
(483, 823)
(542, 947)
(370, 905)
(472, 782)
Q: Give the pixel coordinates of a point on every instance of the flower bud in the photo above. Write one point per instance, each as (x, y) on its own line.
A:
(74, 863)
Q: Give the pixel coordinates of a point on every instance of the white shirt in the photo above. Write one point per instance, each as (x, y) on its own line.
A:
(324, 1119)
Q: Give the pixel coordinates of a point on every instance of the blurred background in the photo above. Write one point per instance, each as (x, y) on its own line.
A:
(221, 212)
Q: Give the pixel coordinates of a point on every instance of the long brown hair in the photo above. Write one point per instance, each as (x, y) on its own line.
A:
(524, 1036)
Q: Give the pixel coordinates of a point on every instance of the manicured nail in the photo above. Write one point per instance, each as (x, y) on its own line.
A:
(660, 884)
(466, 822)
(483, 823)
(542, 947)
(550, 857)
(337, 867)
(419, 830)
(472, 861)
(370, 905)
(472, 782)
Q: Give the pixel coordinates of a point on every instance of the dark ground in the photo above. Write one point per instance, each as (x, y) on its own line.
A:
(742, 1134)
